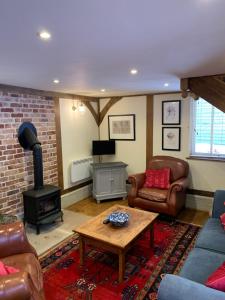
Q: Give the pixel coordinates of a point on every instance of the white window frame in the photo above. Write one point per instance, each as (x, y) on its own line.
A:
(193, 134)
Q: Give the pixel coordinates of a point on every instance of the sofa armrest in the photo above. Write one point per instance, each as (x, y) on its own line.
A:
(16, 286)
(218, 203)
(13, 240)
(179, 288)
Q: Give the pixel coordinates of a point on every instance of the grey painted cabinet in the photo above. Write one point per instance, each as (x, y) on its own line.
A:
(109, 180)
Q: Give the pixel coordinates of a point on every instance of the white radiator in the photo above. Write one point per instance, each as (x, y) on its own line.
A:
(81, 169)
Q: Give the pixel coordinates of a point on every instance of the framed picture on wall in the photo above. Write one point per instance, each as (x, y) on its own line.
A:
(171, 111)
(121, 127)
(171, 138)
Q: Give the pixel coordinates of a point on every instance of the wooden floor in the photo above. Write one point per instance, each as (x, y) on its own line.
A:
(90, 207)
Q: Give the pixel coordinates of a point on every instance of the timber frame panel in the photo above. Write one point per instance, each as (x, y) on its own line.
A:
(210, 88)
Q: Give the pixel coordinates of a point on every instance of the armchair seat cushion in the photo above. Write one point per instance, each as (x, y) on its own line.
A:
(26, 262)
(153, 194)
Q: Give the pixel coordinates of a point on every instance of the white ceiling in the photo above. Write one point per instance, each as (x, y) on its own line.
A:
(95, 43)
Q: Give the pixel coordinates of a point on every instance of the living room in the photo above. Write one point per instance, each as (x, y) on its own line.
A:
(68, 94)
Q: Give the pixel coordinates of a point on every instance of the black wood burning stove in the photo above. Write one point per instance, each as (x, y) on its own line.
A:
(42, 204)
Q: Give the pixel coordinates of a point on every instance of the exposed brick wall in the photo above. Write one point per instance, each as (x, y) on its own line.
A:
(16, 165)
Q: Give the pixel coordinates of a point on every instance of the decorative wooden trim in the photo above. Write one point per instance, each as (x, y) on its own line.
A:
(146, 94)
(149, 129)
(210, 88)
(30, 91)
(184, 84)
(59, 143)
(104, 111)
(77, 187)
(93, 112)
(200, 193)
(165, 93)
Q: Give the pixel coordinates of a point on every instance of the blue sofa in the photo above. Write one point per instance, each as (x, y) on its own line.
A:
(207, 255)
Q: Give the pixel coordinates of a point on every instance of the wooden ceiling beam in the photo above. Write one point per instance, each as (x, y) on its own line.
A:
(93, 112)
(210, 88)
(104, 111)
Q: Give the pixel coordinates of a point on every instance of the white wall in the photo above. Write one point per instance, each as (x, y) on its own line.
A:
(77, 132)
(204, 175)
(157, 126)
(131, 152)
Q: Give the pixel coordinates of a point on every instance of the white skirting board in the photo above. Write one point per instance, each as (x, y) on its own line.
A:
(199, 202)
(75, 196)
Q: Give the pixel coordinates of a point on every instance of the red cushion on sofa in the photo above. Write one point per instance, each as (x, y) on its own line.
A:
(222, 219)
(5, 270)
(217, 279)
(157, 178)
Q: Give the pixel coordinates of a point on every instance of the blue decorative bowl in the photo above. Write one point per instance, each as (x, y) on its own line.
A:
(118, 218)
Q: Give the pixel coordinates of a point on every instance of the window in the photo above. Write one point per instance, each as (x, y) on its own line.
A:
(208, 132)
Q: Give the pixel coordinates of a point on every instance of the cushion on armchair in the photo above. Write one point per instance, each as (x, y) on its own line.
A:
(158, 178)
(153, 194)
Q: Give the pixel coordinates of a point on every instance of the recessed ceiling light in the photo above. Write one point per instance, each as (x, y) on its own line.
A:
(166, 84)
(133, 71)
(56, 81)
(102, 90)
(44, 35)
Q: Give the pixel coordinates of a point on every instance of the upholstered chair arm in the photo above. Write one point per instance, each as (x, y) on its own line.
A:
(13, 240)
(179, 185)
(176, 195)
(17, 286)
(137, 181)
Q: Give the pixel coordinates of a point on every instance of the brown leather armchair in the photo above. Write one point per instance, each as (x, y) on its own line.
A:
(169, 201)
(15, 251)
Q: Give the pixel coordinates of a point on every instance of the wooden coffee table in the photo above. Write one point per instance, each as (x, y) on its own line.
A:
(117, 240)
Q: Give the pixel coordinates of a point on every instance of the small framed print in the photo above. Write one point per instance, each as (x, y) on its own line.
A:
(171, 138)
(171, 112)
(122, 127)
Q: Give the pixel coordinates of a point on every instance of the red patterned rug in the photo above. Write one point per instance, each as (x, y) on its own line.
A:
(64, 279)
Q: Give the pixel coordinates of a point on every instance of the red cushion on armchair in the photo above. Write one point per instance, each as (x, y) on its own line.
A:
(158, 178)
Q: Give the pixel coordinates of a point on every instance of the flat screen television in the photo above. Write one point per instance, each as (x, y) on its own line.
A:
(103, 147)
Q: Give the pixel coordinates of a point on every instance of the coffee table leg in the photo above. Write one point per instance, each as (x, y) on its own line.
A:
(121, 266)
(82, 249)
(151, 236)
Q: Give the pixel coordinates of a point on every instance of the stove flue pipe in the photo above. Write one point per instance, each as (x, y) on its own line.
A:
(27, 135)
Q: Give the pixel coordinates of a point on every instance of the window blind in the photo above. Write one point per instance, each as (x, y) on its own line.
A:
(208, 134)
